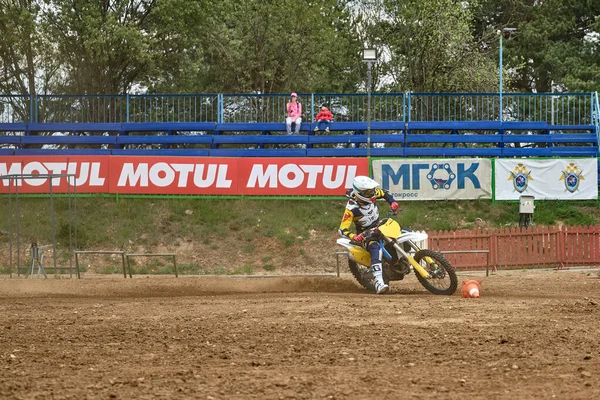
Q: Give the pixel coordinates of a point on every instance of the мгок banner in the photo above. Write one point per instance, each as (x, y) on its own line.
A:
(550, 179)
(435, 179)
(185, 175)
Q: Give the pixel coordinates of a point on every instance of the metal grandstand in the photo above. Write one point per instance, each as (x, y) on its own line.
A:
(251, 125)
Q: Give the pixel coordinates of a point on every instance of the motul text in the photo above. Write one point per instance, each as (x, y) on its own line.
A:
(184, 175)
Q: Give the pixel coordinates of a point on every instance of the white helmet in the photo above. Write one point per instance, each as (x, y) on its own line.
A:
(364, 189)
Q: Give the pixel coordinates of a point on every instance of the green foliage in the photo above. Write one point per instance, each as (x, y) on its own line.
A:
(188, 269)
(258, 46)
(269, 267)
(249, 248)
(247, 269)
(556, 43)
(24, 50)
(110, 269)
(107, 224)
(550, 213)
(430, 46)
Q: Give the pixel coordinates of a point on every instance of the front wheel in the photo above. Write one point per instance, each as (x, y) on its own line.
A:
(442, 277)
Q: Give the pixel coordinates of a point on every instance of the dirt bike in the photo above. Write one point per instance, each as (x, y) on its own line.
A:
(400, 253)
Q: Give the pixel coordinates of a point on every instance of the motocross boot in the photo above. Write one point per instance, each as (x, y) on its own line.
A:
(380, 286)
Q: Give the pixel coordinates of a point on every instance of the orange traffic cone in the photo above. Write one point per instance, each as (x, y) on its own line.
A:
(471, 289)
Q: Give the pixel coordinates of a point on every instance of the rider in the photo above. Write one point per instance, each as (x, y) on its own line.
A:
(362, 210)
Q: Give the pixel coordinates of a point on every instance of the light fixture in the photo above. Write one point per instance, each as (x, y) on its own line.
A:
(369, 54)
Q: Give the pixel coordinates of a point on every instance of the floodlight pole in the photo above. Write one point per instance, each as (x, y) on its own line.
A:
(501, 32)
(369, 56)
(369, 110)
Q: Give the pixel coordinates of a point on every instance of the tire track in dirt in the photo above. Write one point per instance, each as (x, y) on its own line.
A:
(171, 287)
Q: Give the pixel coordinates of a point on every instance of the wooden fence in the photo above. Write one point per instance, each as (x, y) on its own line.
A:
(517, 248)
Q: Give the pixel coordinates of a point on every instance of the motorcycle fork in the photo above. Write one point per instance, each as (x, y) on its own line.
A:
(428, 259)
(416, 266)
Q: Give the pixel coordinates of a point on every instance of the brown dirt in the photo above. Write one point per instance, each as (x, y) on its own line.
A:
(532, 335)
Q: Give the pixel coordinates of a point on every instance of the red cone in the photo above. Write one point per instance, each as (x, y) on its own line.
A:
(471, 289)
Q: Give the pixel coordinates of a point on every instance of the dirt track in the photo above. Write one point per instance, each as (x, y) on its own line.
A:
(531, 335)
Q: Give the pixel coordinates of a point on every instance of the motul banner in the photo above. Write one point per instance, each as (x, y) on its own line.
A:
(551, 179)
(91, 174)
(184, 175)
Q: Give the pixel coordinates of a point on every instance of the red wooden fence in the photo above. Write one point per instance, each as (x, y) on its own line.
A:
(517, 248)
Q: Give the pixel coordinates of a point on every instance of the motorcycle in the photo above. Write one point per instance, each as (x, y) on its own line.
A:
(400, 253)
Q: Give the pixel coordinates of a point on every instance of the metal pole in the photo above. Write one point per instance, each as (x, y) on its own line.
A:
(70, 228)
(75, 216)
(552, 103)
(509, 30)
(369, 110)
(11, 222)
(18, 222)
(53, 227)
(501, 113)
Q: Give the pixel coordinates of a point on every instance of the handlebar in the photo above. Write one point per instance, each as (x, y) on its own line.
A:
(374, 231)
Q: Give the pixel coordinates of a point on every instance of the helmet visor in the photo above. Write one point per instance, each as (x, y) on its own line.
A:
(367, 192)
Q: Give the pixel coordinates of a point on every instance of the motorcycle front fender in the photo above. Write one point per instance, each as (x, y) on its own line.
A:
(411, 235)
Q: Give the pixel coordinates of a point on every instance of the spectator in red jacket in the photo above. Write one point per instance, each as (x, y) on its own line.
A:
(324, 117)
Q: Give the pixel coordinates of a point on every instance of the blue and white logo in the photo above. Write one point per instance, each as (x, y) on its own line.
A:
(520, 177)
(572, 176)
(441, 176)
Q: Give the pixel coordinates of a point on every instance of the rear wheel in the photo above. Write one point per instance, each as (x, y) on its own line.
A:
(442, 278)
(362, 275)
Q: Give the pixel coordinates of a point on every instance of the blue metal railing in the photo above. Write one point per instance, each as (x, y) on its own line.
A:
(344, 107)
(15, 109)
(553, 108)
(453, 106)
(78, 108)
(173, 108)
(596, 114)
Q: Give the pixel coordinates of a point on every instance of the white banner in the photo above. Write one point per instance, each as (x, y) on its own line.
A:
(551, 179)
(435, 179)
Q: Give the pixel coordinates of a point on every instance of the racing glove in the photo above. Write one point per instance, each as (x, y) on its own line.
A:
(359, 238)
(394, 206)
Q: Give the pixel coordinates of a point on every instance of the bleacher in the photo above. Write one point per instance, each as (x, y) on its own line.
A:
(411, 125)
(346, 139)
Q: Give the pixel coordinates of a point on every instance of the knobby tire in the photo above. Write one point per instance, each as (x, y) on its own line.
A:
(442, 263)
(355, 269)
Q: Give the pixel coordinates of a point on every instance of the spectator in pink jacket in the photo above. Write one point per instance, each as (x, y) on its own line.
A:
(294, 115)
(324, 117)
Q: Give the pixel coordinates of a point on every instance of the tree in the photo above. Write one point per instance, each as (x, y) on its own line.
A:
(280, 46)
(104, 47)
(428, 46)
(556, 42)
(27, 63)
(559, 42)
